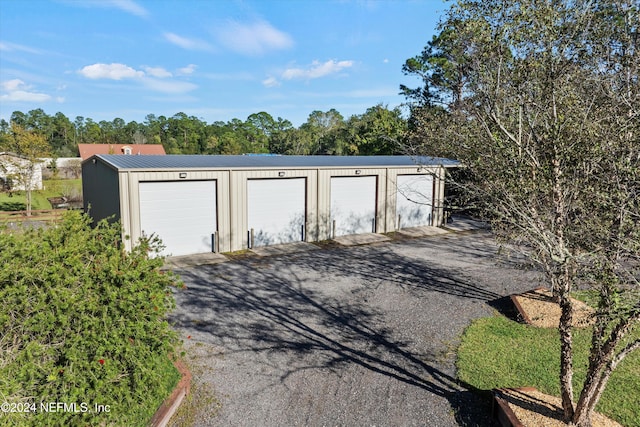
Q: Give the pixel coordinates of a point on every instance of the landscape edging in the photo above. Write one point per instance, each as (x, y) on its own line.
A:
(501, 410)
(172, 403)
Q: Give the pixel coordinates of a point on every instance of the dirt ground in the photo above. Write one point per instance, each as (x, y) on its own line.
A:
(342, 336)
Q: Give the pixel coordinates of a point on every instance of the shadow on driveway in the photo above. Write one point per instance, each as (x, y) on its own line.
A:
(343, 336)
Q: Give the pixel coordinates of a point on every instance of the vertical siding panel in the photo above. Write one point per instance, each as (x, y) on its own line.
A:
(381, 209)
(392, 209)
(224, 225)
(311, 225)
(125, 216)
(101, 190)
(324, 201)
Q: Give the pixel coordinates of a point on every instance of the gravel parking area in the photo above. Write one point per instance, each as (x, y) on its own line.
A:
(342, 336)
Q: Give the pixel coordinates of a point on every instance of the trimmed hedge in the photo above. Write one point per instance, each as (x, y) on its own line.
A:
(82, 323)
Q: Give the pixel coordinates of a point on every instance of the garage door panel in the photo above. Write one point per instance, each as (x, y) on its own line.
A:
(276, 210)
(181, 213)
(414, 200)
(353, 204)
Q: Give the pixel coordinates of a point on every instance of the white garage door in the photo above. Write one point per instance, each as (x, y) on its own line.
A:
(353, 204)
(181, 213)
(414, 200)
(276, 210)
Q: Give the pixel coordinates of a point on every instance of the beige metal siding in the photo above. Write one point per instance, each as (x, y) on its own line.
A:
(113, 193)
(438, 197)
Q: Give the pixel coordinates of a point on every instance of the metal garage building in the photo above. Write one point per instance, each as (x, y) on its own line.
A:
(201, 204)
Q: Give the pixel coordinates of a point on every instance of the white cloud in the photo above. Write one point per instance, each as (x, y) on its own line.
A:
(156, 78)
(21, 95)
(187, 43)
(316, 70)
(17, 90)
(254, 38)
(166, 86)
(128, 6)
(185, 71)
(271, 82)
(158, 72)
(9, 47)
(112, 71)
(11, 85)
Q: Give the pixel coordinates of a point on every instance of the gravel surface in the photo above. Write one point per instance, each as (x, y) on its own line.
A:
(357, 336)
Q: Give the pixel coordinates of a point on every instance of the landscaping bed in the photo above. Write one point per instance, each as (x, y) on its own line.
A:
(497, 353)
(538, 308)
(529, 407)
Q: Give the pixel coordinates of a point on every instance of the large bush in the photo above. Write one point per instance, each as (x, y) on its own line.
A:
(82, 323)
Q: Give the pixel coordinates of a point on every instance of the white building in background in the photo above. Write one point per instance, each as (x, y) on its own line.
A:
(18, 173)
(61, 167)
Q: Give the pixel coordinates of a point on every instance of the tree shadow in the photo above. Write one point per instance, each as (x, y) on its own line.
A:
(283, 305)
(506, 307)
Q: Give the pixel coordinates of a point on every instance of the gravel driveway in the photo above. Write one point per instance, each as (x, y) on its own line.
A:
(341, 336)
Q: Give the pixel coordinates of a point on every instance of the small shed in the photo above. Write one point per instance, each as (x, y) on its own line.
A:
(198, 203)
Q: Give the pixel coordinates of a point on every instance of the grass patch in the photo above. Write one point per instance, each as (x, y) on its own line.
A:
(62, 187)
(18, 201)
(241, 254)
(497, 352)
(52, 188)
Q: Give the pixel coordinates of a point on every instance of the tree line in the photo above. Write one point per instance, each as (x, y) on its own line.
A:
(378, 131)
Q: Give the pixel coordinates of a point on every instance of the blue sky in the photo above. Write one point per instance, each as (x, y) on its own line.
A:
(213, 59)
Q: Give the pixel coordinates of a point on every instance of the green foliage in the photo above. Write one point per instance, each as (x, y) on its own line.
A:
(83, 321)
(323, 133)
(496, 352)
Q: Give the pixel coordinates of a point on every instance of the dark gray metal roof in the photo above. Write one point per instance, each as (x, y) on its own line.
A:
(119, 161)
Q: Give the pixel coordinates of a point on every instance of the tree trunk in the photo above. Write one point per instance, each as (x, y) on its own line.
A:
(28, 201)
(601, 364)
(566, 354)
(597, 376)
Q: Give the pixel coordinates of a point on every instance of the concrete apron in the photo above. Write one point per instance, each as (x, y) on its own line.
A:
(425, 231)
(183, 261)
(285, 248)
(459, 224)
(361, 239)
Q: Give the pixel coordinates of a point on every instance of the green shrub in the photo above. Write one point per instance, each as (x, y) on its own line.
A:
(82, 323)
